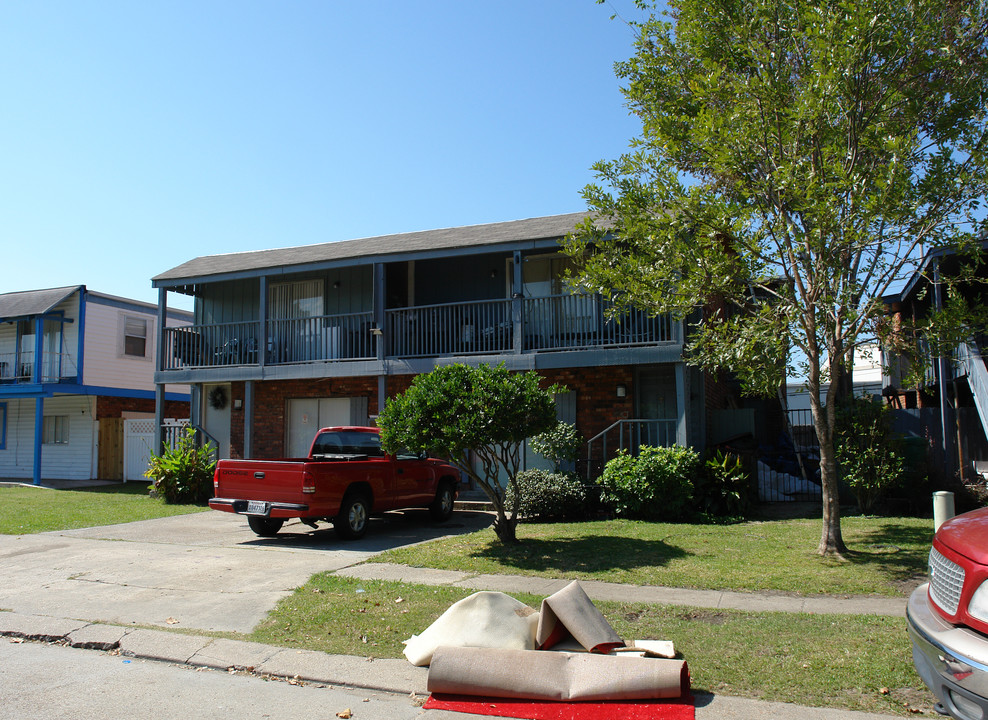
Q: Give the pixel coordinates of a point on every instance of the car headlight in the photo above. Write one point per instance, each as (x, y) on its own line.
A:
(978, 607)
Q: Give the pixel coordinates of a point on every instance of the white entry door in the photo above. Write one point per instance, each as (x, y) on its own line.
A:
(216, 415)
(307, 415)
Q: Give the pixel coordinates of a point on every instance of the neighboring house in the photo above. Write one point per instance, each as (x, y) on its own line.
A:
(867, 379)
(949, 404)
(285, 341)
(74, 365)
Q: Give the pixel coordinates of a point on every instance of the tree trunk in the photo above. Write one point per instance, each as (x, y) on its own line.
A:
(504, 525)
(504, 528)
(824, 417)
(831, 539)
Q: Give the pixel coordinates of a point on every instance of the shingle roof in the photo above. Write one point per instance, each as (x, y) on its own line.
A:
(33, 302)
(403, 244)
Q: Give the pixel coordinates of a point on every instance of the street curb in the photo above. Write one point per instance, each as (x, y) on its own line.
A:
(396, 676)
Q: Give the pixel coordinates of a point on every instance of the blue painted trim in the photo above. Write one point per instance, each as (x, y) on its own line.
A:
(39, 417)
(81, 356)
(52, 389)
(39, 347)
(3, 426)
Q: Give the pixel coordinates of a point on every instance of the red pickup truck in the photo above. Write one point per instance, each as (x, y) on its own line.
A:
(948, 618)
(346, 478)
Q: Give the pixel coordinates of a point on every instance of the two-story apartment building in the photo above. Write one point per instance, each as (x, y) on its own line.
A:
(73, 365)
(287, 340)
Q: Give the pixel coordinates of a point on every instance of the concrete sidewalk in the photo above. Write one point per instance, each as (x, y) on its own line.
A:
(718, 599)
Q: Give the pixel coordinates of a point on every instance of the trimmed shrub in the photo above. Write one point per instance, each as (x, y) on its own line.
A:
(869, 453)
(655, 485)
(184, 473)
(724, 489)
(545, 495)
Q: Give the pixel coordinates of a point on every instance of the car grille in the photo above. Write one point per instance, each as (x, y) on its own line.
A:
(946, 582)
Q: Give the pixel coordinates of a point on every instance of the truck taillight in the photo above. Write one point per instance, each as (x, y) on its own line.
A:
(308, 482)
(216, 480)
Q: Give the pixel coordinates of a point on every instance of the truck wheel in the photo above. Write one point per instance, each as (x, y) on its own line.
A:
(351, 523)
(442, 507)
(263, 526)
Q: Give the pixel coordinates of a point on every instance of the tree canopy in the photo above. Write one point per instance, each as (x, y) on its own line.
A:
(795, 159)
(488, 412)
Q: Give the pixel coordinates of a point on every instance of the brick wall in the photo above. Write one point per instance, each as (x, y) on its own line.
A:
(114, 407)
(597, 404)
(270, 405)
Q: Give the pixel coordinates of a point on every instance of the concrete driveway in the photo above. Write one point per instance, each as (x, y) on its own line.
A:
(206, 571)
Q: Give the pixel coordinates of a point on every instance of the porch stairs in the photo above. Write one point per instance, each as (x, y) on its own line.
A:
(971, 364)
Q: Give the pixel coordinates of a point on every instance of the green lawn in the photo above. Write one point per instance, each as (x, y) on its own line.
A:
(816, 660)
(25, 510)
(887, 555)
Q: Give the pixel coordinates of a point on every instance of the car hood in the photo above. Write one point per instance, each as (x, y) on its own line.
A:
(967, 534)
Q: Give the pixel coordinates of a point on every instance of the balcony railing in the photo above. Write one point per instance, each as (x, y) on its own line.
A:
(18, 368)
(558, 322)
(463, 328)
(298, 340)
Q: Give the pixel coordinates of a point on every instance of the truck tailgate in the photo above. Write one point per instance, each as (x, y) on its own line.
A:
(272, 487)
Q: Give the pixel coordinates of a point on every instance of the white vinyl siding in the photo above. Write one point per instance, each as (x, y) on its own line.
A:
(73, 460)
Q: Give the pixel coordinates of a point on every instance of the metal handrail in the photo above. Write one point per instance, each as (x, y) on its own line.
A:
(664, 437)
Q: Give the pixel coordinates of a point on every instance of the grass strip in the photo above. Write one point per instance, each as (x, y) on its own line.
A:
(850, 662)
(888, 556)
(25, 510)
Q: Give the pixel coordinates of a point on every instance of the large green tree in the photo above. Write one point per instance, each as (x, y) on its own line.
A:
(794, 159)
(486, 412)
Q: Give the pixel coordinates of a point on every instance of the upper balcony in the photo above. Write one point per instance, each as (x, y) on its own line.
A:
(19, 368)
(556, 323)
(399, 304)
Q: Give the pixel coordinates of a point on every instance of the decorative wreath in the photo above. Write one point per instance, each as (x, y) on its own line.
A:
(217, 398)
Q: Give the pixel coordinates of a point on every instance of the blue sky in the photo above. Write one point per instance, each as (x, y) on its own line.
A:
(137, 135)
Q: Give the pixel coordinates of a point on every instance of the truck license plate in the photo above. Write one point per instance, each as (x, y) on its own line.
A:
(256, 507)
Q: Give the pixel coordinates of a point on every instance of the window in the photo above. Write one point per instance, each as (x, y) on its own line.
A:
(135, 337)
(293, 300)
(55, 430)
(3, 426)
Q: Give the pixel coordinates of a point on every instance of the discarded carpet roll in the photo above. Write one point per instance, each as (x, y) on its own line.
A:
(538, 675)
(571, 613)
(484, 619)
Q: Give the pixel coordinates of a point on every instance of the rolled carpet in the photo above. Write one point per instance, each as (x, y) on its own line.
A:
(547, 675)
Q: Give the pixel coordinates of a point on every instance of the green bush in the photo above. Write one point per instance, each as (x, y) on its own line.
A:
(723, 489)
(558, 445)
(655, 485)
(182, 474)
(869, 453)
(545, 495)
